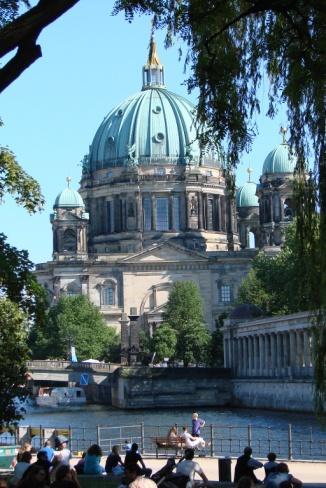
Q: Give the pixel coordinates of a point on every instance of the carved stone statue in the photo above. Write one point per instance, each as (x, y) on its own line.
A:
(132, 160)
(193, 206)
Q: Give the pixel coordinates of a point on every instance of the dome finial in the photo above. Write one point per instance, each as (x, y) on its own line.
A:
(68, 180)
(153, 59)
(249, 171)
(153, 71)
(283, 131)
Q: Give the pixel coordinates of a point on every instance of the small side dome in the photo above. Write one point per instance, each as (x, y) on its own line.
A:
(246, 311)
(279, 160)
(246, 195)
(68, 198)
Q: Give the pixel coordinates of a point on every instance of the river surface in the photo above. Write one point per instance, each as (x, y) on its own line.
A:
(229, 435)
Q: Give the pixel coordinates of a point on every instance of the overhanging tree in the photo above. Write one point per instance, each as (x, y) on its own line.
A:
(23, 300)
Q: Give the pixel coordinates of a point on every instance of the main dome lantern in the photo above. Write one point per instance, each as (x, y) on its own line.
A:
(154, 126)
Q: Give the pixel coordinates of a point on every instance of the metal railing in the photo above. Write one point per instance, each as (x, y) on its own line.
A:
(289, 443)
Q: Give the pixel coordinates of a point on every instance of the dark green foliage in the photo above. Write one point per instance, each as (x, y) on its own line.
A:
(17, 282)
(215, 351)
(275, 284)
(16, 182)
(74, 321)
(184, 314)
(164, 342)
(14, 353)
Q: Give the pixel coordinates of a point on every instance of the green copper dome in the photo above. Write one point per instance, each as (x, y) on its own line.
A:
(279, 160)
(68, 198)
(246, 195)
(154, 126)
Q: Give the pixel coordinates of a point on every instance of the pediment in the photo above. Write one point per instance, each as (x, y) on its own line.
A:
(166, 252)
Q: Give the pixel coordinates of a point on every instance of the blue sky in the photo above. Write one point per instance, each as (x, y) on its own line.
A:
(91, 61)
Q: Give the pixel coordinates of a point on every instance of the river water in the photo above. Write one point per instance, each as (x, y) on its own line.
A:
(226, 428)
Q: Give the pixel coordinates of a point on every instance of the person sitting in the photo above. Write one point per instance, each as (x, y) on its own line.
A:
(132, 479)
(65, 478)
(62, 451)
(21, 467)
(189, 468)
(246, 465)
(34, 477)
(79, 467)
(92, 464)
(271, 466)
(190, 441)
(133, 458)
(48, 449)
(282, 477)
(245, 482)
(114, 462)
(172, 434)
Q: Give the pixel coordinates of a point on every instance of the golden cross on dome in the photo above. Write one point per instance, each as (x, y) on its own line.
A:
(249, 171)
(283, 131)
(68, 180)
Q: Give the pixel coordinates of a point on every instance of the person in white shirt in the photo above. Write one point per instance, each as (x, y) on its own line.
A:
(189, 468)
(190, 441)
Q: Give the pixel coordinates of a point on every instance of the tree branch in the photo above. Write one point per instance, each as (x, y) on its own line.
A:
(25, 56)
(23, 32)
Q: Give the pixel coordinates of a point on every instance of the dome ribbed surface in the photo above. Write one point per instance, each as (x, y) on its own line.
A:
(246, 195)
(68, 198)
(151, 127)
(279, 160)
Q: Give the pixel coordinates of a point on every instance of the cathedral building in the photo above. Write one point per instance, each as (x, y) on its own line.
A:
(154, 208)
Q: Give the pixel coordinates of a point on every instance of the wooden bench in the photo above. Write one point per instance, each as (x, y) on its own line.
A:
(166, 444)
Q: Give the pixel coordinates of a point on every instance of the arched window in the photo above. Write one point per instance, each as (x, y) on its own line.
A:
(108, 294)
(69, 241)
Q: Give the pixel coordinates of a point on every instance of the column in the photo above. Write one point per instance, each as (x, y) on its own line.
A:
(261, 354)
(240, 357)
(235, 355)
(186, 210)
(153, 208)
(250, 351)
(266, 354)
(286, 352)
(225, 353)
(171, 216)
(200, 211)
(306, 351)
(278, 354)
(245, 356)
(299, 352)
(255, 355)
(124, 322)
(273, 354)
(293, 357)
(230, 357)
(219, 214)
(139, 221)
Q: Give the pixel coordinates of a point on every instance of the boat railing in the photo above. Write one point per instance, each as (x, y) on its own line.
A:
(288, 443)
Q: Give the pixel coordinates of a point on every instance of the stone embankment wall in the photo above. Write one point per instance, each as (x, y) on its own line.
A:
(274, 394)
(141, 387)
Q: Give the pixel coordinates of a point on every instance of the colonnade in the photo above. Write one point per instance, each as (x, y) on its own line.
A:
(270, 354)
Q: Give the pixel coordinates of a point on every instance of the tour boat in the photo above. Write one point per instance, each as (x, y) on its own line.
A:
(61, 397)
